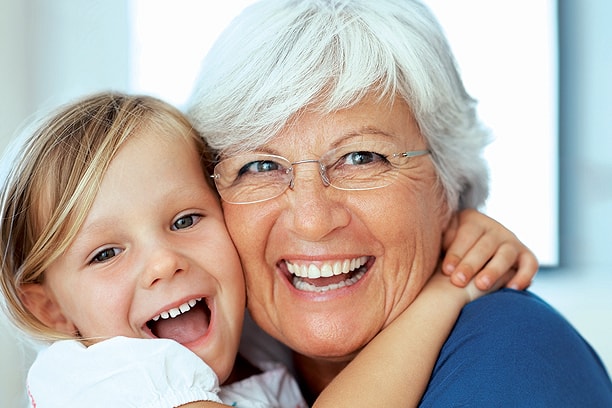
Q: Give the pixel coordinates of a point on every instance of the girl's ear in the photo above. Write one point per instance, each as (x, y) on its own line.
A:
(38, 301)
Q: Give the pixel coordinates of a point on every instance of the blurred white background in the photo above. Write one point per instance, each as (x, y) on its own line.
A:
(53, 51)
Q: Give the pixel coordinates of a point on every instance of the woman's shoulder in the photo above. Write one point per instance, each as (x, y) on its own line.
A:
(512, 344)
(511, 304)
(517, 322)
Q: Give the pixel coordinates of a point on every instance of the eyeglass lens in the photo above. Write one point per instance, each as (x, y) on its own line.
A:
(258, 177)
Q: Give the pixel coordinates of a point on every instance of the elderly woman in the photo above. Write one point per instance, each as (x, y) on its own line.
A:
(346, 142)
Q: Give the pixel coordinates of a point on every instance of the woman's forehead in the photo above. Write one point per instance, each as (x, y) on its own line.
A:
(369, 119)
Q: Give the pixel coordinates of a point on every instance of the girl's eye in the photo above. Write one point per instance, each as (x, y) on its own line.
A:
(105, 254)
(185, 222)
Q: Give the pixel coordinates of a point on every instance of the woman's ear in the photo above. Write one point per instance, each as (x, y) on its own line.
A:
(43, 306)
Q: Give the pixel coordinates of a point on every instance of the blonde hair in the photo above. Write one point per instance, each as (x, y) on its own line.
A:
(53, 180)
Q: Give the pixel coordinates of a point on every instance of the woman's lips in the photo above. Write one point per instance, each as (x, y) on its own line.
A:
(329, 275)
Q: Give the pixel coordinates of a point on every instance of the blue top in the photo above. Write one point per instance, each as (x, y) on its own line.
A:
(512, 349)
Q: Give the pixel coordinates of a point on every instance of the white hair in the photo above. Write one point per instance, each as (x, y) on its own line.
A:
(278, 57)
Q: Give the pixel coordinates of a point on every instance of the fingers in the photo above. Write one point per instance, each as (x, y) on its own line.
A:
(520, 262)
(459, 243)
(527, 268)
(474, 292)
(483, 252)
(481, 249)
(503, 260)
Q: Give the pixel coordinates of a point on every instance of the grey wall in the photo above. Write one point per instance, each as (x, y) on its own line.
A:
(52, 51)
(586, 132)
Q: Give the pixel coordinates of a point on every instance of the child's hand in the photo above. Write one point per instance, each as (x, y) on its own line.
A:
(477, 245)
(440, 285)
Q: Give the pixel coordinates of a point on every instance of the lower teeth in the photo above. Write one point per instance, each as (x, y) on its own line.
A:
(308, 287)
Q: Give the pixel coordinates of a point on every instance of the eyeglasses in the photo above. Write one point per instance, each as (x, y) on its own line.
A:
(255, 177)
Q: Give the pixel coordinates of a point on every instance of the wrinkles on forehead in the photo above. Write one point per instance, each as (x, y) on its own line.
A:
(322, 108)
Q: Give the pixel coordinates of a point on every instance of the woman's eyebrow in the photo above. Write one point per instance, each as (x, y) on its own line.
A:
(370, 130)
(363, 131)
(347, 136)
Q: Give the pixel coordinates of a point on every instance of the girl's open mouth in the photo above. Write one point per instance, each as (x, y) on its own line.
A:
(184, 324)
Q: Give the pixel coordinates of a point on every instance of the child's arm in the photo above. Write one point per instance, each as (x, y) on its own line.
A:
(478, 245)
(393, 370)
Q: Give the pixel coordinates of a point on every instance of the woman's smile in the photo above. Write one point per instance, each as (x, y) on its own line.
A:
(327, 276)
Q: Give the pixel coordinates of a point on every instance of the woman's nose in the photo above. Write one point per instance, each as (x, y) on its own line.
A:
(314, 208)
(163, 263)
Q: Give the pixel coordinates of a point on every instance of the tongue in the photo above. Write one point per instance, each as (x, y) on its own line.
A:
(184, 328)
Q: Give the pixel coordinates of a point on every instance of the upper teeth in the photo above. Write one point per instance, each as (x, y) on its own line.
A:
(326, 270)
(172, 313)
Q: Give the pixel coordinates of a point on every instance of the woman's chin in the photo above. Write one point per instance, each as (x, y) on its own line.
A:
(327, 344)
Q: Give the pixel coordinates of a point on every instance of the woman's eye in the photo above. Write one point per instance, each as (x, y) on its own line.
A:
(185, 222)
(260, 166)
(105, 254)
(363, 157)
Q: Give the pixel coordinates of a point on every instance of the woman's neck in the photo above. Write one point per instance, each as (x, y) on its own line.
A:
(314, 375)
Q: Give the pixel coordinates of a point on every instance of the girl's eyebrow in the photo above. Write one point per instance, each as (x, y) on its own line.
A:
(91, 233)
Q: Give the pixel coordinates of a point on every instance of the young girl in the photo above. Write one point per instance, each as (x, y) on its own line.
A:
(111, 233)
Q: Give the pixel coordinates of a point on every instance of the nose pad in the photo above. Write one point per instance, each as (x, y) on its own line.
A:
(292, 179)
(322, 172)
(312, 211)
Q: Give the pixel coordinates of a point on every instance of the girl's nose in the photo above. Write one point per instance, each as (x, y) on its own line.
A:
(163, 264)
